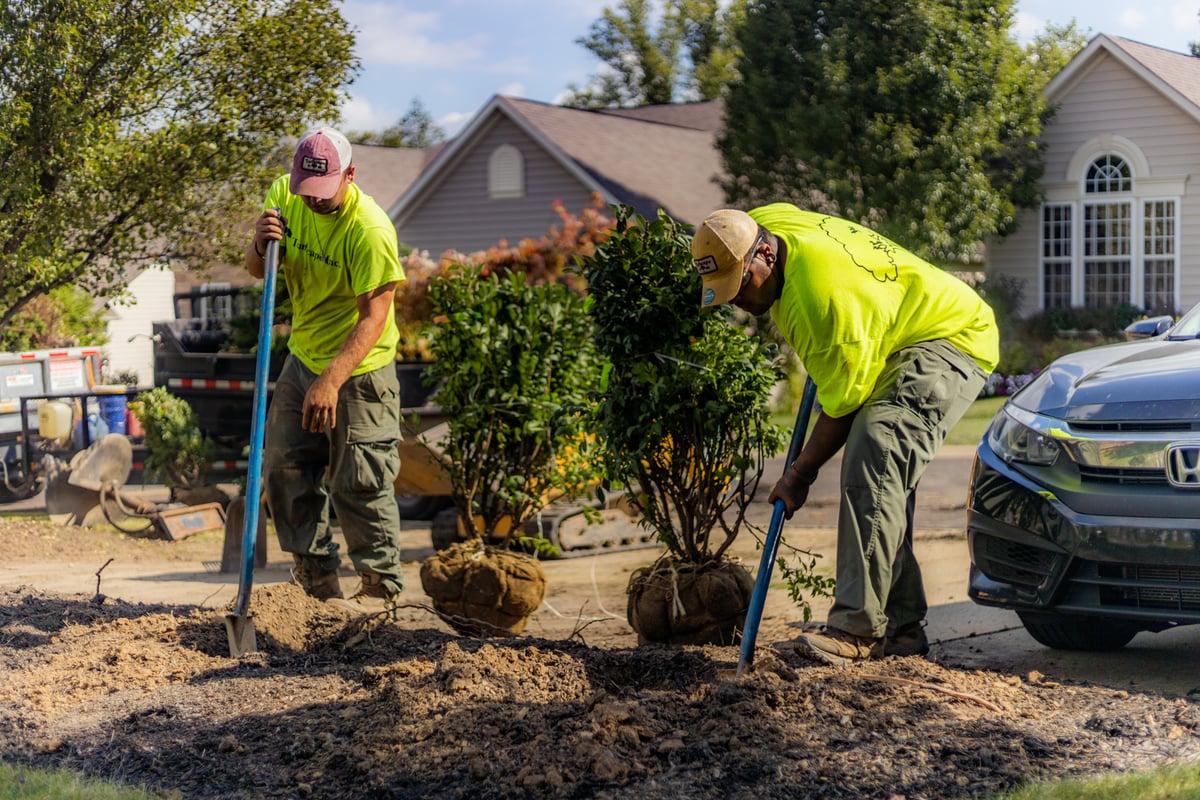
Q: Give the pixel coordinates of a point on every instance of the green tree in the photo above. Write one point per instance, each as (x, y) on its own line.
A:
(689, 55)
(415, 129)
(920, 119)
(133, 128)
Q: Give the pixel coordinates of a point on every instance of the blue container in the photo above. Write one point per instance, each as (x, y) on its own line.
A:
(112, 411)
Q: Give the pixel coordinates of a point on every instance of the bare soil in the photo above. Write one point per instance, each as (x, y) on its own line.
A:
(405, 708)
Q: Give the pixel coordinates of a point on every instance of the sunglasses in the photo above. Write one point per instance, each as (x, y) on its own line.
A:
(750, 260)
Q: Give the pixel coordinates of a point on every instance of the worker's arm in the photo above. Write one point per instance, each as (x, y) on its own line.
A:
(268, 226)
(828, 436)
(320, 404)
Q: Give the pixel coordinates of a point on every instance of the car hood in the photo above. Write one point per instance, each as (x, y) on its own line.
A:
(1145, 380)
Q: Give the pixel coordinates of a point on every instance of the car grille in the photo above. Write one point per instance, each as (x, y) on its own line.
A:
(1013, 562)
(1135, 426)
(1123, 475)
(1144, 586)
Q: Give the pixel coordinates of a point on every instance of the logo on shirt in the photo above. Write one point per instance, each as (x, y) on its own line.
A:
(866, 248)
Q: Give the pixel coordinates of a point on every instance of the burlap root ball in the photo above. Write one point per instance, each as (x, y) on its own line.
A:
(676, 603)
(483, 590)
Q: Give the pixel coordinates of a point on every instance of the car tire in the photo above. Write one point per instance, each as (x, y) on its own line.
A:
(1066, 632)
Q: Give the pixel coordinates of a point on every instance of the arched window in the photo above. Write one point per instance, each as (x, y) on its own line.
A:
(506, 172)
(1109, 173)
(1111, 235)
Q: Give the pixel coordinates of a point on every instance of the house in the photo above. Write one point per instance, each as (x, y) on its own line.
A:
(498, 179)
(1120, 222)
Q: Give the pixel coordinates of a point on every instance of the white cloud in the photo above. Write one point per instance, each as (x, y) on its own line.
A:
(1183, 16)
(1026, 26)
(514, 89)
(454, 122)
(386, 33)
(359, 115)
(1132, 19)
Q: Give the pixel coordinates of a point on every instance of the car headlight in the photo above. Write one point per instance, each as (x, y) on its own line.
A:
(1014, 440)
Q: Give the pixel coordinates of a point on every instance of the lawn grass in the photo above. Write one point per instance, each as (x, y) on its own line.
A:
(1180, 782)
(18, 783)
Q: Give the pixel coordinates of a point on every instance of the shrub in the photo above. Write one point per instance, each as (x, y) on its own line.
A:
(682, 421)
(513, 362)
(176, 449)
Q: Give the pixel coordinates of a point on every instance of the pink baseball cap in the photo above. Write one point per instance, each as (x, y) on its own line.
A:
(322, 155)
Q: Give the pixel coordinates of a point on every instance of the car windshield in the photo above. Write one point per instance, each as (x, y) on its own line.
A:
(1188, 326)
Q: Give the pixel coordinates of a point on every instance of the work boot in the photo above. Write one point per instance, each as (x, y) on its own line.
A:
(372, 596)
(908, 640)
(837, 647)
(321, 584)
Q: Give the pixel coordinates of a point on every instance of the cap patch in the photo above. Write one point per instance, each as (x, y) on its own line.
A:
(706, 265)
(709, 296)
(314, 164)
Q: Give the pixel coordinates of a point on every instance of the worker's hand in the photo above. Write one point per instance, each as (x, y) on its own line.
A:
(267, 227)
(792, 489)
(320, 406)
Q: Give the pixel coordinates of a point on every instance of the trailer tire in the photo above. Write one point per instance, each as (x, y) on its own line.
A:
(444, 529)
(22, 491)
(420, 506)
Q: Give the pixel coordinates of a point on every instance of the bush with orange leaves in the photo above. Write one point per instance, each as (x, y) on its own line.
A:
(544, 260)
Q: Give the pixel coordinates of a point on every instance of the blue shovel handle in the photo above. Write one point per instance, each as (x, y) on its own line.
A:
(771, 547)
(262, 375)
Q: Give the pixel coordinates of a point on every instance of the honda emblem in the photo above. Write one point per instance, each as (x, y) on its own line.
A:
(1183, 465)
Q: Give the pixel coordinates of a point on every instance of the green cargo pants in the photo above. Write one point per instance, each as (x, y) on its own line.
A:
(362, 461)
(923, 391)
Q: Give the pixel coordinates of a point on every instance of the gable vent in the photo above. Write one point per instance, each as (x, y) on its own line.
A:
(506, 172)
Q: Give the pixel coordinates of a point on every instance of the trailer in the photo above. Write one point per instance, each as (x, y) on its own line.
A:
(51, 403)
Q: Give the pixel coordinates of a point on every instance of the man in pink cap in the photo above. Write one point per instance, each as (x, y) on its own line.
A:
(336, 403)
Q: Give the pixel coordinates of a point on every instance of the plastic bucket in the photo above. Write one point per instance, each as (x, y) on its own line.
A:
(112, 407)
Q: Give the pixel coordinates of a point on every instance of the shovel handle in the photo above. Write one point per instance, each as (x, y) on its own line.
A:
(771, 547)
(262, 376)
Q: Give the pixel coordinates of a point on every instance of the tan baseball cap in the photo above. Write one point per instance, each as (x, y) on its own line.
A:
(719, 251)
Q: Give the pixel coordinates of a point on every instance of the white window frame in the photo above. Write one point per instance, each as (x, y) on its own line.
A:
(1146, 189)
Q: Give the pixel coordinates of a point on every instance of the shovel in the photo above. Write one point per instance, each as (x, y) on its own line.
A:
(771, 548)
(240, 625)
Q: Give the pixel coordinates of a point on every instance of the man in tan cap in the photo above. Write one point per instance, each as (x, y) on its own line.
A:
(336, 403)
(898, 350)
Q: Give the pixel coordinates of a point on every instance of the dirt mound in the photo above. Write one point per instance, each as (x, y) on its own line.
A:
(401, 708)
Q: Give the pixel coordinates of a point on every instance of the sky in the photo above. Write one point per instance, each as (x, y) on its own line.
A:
(454, 55)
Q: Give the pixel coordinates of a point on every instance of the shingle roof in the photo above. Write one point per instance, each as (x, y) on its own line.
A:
(632, 156)
(1176, 75)
(385, 172)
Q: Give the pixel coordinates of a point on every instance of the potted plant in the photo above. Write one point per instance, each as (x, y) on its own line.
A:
(513, 365)
(683, 426)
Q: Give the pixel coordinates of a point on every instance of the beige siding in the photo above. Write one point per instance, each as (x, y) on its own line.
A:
(1114, 101)
(1017, 257)
(458, 214)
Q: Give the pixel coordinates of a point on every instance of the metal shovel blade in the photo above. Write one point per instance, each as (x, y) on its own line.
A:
(240, 630)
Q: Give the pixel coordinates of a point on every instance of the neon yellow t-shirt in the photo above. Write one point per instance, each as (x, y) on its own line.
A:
(851, 298)
(328, 260)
